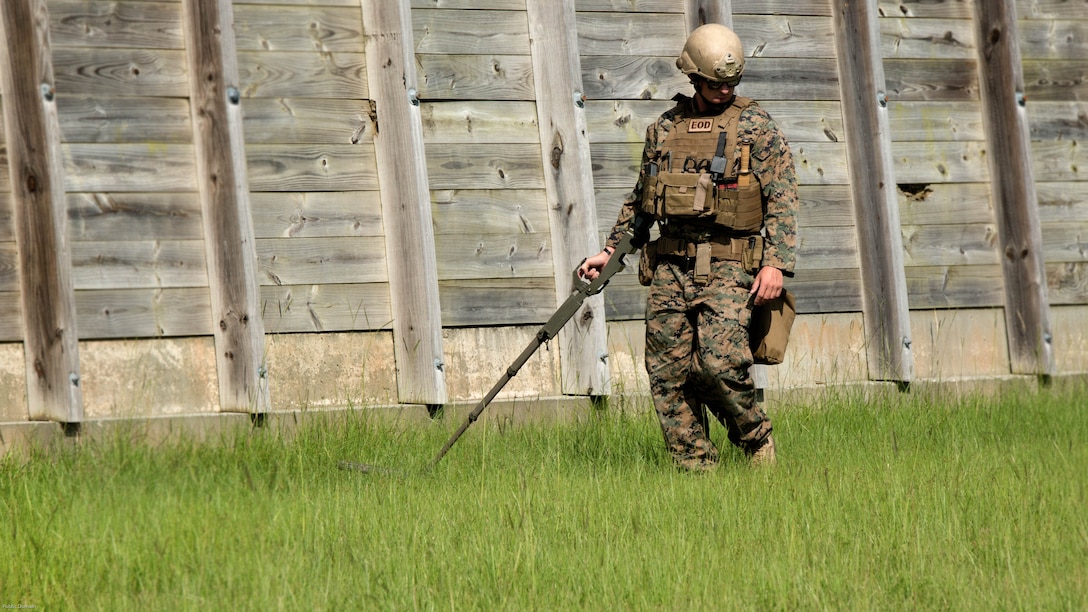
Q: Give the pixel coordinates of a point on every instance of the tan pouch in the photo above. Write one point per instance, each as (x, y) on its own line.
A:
(684, 194)
(647, 263)
(769, 330)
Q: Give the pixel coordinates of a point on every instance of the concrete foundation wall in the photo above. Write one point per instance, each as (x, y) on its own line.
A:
(176, 376)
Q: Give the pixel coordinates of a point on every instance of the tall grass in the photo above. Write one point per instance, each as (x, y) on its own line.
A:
(900, 503)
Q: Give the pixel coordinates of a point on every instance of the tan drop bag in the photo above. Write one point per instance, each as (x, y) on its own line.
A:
(769, 330)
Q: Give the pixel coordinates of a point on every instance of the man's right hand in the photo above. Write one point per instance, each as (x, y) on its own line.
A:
(591, 267)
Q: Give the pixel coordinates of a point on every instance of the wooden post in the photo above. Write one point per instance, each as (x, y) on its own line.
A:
(406, 202)
(40, 214)
(702, 12)
(224, 194)
(568, 181)
(872, 182)
(1012, 183)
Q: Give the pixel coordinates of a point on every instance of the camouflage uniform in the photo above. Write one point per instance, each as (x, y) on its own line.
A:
(697, 351)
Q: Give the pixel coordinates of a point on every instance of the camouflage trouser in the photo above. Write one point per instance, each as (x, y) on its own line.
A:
(697, 356)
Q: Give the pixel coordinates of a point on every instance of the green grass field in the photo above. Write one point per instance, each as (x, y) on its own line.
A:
(899, 503)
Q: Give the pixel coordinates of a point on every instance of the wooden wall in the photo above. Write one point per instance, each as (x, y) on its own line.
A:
(136, 238)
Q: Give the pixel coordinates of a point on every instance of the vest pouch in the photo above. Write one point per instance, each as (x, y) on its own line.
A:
(739, 209)
(647, 263)
(648, 203)
(685, 194)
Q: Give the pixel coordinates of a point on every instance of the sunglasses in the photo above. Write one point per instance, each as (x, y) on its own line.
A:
(720, 84)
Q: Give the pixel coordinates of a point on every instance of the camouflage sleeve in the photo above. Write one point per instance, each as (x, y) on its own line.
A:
(772, 163)
(627, 211)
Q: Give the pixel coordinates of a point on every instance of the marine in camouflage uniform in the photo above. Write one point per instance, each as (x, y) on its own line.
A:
(697, 348)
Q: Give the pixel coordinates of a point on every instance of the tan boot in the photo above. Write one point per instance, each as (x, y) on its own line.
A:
(764, 455)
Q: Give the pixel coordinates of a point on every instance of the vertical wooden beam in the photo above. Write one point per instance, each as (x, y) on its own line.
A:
(702, 12)
(406, 202)
(568, 181)
(224, 194)
(1012, 183)
(41, 216)
(872, 182)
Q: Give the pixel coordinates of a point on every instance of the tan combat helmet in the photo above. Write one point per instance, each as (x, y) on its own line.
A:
(713, 52)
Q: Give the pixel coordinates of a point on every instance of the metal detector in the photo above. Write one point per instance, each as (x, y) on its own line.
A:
(636, 235)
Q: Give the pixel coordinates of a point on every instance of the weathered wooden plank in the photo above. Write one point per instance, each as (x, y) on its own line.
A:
(954, 9)
(825, 206)
(950, 203)
(406, 210)
(307, 121)
(484, 302)
(129, 167)
(296, 74)
(469, 256)
(138, 264)
(500, 5)
(917, 38)
(602, 33)
(316, 214)
(32, 142)
(1008, 141)
(827, 290)
(138, 25)
(476, 31)
(1058, 160)
(629, 6)
(568, 182)
(943, 9)
(808, 121)
(931, 80)
(11, 317)
(121, 72)
(785, 36)
(312, 168)
(496, 211)
(625, 299)
(935, 121)
(1058, 120)
(779, 7)
(219, 148)
(950, 245)
(354, 3)
(485, 166)
(1067, 283)
(475, 77)
(622, 120)
(105, 119)
(1062, 202)
(1065, 242)
(299, 261)
(149, 216)
(326, 308)
(7, 222)
(459, 122)
(940, 162)
(978, 286)
(144, 313)
(1054, 80)
(827, 248)
(1063, 39)
(328, 29)
(9, 273)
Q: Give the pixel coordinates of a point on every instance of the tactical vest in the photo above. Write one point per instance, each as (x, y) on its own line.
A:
(696, 177)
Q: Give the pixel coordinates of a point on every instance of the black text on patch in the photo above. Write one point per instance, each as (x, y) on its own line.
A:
(700, 125)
